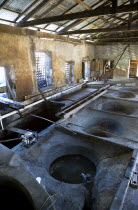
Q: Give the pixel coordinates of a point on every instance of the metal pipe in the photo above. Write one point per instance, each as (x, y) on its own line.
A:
(1, 122)
(3, 141)
(55, 123)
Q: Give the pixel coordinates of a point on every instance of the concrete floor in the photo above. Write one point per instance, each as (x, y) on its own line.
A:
(114, 155)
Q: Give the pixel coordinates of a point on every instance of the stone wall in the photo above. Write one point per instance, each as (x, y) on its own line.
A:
(18, 46)
(112, 52)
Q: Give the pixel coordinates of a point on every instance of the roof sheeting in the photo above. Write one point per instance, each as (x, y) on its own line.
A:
(13, 8)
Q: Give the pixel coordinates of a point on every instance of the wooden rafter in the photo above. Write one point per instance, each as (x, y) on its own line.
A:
(47, 12)
(106, 20)
(114, 5)
(116, 36)
(101, 30)
(79, 21)
(83, 4)
(84, 14)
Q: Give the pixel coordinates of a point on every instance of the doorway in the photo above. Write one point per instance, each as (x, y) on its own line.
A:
(133, 68)
(86, 70)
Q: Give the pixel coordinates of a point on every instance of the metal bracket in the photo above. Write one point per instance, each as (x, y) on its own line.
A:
(134, 180)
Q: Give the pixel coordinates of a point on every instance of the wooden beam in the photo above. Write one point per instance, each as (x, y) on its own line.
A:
(34, 11)
(113, 38)
(119, 18)
(114, 5)
(130, 15)
(81, 20)
(3, 3)
(83, 4)
(107, 22)
(101, 30)
(84, 14)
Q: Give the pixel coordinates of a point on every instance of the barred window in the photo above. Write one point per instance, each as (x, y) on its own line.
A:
(44, 68)
(69, 71)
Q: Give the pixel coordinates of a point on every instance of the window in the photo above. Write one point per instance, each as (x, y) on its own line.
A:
(44, 68)
(70, 72)
(3, 89)
(7, 85)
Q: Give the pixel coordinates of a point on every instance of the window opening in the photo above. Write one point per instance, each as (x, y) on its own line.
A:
(3, 86)
(70, 72)
(44, 68)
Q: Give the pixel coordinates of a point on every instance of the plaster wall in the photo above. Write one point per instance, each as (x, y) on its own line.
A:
(17, 49)
(112, 52)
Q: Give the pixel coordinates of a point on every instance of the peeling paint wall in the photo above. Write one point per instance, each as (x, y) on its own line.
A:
(112, 52)
(18, 50)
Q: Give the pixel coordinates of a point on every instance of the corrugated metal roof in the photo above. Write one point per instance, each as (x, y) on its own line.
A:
(13, 8)
(18, 5)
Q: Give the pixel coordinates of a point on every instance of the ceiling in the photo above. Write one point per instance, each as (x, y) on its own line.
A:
(102, 20)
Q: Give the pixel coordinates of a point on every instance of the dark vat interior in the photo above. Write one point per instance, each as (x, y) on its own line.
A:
(73, 169)
(105, 128)
(129, 89)
(36, 124)
(124, 94)
(14, 196)
(6, 135)
(31, 123)
(117, 107)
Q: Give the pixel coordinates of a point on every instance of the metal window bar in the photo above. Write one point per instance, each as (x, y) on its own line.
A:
(41, 67)
(68, 78)
(70, 72)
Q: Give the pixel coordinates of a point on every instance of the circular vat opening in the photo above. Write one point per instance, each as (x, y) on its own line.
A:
(73, 169)
(124, 94)
(129, 89)
(105, 128)
(13, 195)
(117, 107)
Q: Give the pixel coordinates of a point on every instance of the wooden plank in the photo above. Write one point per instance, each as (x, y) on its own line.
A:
(67, 115)
(114, 5)
(84, 14)
(83, 4)
(45, 13)
(80, 103)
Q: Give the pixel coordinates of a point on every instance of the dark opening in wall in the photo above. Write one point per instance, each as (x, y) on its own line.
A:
(86, 69)
(44, 69)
